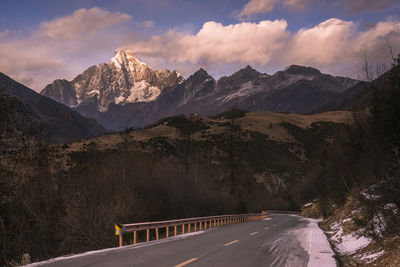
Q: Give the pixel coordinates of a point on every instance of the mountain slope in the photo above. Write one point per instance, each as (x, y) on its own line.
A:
(126, 79)
(63, 123)
(359, 96)
(127, 93)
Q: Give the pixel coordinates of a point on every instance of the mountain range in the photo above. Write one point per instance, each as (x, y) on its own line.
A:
(126, 92)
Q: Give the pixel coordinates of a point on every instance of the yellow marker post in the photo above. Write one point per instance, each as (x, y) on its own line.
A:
(119, 232)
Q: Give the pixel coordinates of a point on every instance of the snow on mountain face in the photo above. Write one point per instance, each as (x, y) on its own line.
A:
(126, 58)
(126, 79)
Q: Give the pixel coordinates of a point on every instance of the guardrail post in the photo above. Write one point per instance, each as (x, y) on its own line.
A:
(120, 240)
(189, 228)
(195, 226)
(183, 228)
(205, 225)
(134, 237)
(200, 225)
(215, 223)
(147, 235)
(156, 233)
(175, 230)
(166, 231)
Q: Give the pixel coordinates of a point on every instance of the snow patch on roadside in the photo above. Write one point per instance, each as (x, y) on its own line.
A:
(368, 258)
(290, 247)
(116, 250)
(316, 244)
(350, 243)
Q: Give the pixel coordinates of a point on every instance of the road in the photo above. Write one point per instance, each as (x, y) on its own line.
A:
(271, 242)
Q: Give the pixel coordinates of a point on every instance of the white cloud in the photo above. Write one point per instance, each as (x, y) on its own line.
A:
(358, 6)
(82, 23)
(61, 48)
(254, 7)
(299, 4)
(334, 45)
(147, 24)
(243, 42)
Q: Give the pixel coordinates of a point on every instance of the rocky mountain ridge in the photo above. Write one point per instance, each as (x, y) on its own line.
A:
(126, 79)
(127, 93)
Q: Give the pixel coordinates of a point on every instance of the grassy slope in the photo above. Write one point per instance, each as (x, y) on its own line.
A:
(266, 123)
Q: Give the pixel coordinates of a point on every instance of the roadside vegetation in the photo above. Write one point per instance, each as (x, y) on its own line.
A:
(357, 182)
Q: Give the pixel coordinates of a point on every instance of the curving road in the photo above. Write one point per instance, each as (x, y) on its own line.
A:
(280, 240)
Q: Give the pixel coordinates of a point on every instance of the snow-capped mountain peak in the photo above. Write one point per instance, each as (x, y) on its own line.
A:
(126, 79)
(126, 58)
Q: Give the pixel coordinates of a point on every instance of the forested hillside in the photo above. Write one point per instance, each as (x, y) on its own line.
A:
(66, 198)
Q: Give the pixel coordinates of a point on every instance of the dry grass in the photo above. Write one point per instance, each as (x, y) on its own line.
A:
(267, 123)
(110, 141)
(392, 256)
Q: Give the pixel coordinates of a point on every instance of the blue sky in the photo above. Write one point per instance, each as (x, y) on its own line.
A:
(41, 40)
(25, 15)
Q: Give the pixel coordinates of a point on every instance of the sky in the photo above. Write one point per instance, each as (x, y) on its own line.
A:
(44, 40)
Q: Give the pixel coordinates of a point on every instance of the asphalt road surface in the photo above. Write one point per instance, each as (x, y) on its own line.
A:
(259, 243)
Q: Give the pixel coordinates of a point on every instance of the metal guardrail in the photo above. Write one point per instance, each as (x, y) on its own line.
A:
(198, 223)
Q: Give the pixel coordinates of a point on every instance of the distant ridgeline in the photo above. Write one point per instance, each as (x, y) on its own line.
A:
(128, 93)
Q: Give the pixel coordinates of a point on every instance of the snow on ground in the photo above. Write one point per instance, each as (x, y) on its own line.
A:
(292, 247)
(316, 244)
(367, 258)
(350, 243)
(117, 249)
(307, 205)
